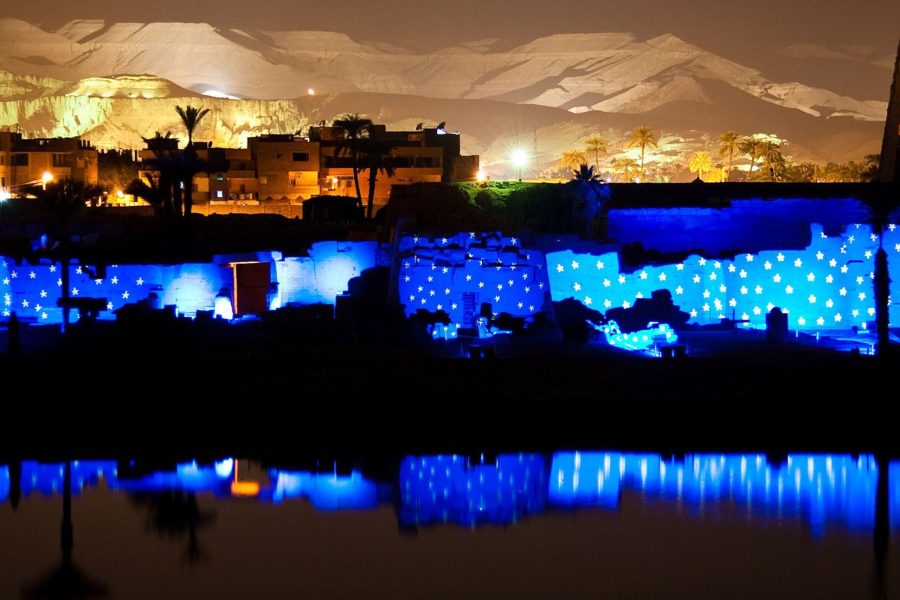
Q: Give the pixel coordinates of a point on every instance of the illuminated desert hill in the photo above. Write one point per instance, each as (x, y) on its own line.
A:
(547, 95)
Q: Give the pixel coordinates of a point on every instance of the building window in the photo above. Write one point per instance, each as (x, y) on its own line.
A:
(59, 160)
(301, 156)
(19, 160)
(292, 182)
(219, 194)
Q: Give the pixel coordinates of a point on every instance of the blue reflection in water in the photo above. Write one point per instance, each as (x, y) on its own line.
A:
(442, 489)
(188, 477)
(47, 479)
(325, 491)
(4, 483)
(818, 488)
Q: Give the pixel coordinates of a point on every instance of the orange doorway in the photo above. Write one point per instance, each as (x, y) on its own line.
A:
(251, 287)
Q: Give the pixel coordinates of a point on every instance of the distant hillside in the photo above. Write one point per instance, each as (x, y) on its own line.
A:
(116, 82)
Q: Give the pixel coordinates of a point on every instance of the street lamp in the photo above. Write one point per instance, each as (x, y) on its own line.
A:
(46, 178)
(519, 159)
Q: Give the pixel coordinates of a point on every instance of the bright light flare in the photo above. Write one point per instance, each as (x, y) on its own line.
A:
(519, 158)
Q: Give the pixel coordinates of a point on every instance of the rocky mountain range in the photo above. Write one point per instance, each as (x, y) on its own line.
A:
(115, 82)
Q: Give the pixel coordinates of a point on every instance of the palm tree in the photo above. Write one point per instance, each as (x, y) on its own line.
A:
(376, 157)
(642, 137)
(352, 127)
(628, 167)
(831, 173)
(597, 146)
(62, 201)
(168, 189)
(729, 143)
(701, 163)
(190, 117)
(571, 159)
(801, 172)
(753, 148)
(773, 160)
(590, 195)
(871, 167)
(151, 192)
(584, 174)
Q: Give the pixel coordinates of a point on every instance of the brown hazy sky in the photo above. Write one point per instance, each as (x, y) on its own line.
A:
(727, 27)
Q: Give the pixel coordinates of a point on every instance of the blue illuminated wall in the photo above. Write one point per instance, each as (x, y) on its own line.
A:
(820, 489)
(324, 274)
(457, 274)
(827, 285)
(447, 489)
(751, 225)
(32, 291)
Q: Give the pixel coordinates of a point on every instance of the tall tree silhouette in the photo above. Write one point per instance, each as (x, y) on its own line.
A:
(162, 191)
(66, 581)
(627, 167)
(773, 160)
(190, 118)
(570, 160)
(700, 163)
(352, 127)
(61, 201)
(375, 155)
(590, 194)
(753, 148)
(729, 143)
(596, 145)
(176, 513)
(642, 137)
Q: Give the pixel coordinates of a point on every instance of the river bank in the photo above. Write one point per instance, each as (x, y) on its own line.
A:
(265, 389)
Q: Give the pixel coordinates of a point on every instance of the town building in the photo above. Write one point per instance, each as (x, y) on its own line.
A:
(29, 163)
(290, 168)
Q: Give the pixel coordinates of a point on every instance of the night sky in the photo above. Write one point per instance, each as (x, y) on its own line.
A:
(730, 28)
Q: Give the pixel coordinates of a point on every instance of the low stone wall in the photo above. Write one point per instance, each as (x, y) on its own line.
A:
(285, 209)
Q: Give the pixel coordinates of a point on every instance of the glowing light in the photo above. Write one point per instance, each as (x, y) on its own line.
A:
(480, 176)
(310, 92)
(223, 307)
(519, 159)
(224, 467)
(4, 195)
(213, 93)
(46, 178)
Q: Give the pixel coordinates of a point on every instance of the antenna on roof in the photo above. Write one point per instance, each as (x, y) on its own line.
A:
(419, 126)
